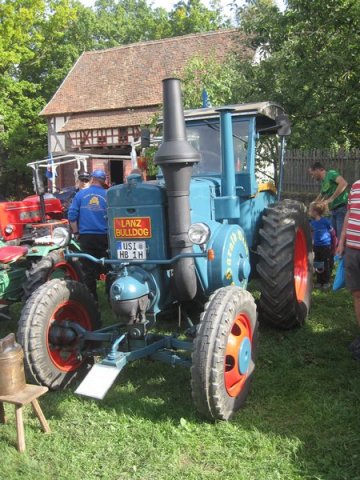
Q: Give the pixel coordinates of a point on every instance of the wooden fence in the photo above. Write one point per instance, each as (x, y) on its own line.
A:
(297, 163)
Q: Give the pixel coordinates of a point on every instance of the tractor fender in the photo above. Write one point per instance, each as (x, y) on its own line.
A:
(231, 265)
(41, 250)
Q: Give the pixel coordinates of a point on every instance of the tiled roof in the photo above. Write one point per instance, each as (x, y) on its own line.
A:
(109, 119)
(130, 76)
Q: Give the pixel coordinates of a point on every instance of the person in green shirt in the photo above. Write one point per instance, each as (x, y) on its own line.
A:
(333, 192)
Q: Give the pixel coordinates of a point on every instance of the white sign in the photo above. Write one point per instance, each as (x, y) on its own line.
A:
(131, 250)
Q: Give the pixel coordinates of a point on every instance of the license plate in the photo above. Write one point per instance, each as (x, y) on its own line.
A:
(131, 250)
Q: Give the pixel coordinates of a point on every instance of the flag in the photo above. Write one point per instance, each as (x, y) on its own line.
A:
(133, 158)
(50, 171)
(205, 99)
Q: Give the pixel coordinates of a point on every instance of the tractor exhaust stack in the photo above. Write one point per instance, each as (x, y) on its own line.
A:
(176, 157)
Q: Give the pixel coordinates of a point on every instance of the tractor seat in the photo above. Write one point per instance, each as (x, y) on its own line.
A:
(12, 253)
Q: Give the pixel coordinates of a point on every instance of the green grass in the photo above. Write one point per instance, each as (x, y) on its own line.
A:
(301, 421)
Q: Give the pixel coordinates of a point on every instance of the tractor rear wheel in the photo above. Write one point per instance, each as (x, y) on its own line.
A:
(54, 353)
(285, 265)
(223, 359)
(54, 265)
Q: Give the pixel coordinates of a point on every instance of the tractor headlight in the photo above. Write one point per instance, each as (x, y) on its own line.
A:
(9, 229)
(61, 236)
(199, 233)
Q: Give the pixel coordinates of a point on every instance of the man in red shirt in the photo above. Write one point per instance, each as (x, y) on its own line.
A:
(349, 244)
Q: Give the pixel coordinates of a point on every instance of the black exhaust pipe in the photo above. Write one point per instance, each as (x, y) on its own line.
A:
(176, 157)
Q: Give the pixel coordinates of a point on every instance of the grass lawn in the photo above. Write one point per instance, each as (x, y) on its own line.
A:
(301, 421)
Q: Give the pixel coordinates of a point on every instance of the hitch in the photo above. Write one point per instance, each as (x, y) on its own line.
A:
(102, 375)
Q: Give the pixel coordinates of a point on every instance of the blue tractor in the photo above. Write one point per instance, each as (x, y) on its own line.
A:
(188, 241)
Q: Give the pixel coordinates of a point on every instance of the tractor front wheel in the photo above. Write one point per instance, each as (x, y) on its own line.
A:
(54, 265)
(285, 265)
(223, 359)
(54, 352)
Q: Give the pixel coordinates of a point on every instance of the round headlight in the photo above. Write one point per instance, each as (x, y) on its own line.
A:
(199, 233)
(61, 236)
(9, 229)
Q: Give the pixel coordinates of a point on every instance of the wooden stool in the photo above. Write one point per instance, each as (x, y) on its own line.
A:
(29, 394)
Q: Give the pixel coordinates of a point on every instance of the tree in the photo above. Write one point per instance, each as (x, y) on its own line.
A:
(19, 103)
(218, 80)
(192, 16)
(309, 64)
(119, 22)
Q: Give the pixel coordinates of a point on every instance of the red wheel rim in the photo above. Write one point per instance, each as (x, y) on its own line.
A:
(240, 336)
(300, 266)
(63, 270)
(67, 360)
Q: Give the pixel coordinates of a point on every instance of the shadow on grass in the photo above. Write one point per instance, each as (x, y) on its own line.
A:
(306, 388)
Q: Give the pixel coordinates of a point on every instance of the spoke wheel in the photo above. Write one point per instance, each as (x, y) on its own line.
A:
(54, 353)
(223, 359)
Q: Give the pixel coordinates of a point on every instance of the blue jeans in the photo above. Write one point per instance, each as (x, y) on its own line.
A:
(337, 218)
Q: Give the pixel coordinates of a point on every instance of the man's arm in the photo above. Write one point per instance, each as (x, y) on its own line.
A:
(73, 215)
(341, 186)
(341, 245)
(319, 198)
(74, 228)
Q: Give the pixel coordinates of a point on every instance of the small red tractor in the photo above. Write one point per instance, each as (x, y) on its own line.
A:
(33, 234)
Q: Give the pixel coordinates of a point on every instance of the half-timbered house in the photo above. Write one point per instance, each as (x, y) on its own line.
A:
(109, 94)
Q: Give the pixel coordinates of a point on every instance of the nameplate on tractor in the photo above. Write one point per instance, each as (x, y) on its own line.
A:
(132, 227)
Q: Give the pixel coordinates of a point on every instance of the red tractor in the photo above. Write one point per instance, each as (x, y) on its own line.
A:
(33, 234)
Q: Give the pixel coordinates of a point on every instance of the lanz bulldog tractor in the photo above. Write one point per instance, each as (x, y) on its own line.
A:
(190, 237)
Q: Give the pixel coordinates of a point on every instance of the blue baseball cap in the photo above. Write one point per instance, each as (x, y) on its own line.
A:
(99, 174)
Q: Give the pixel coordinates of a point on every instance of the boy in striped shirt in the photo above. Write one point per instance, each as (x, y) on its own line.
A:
(349, 244)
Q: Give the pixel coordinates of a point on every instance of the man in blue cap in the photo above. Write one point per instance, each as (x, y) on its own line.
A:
(87, 216)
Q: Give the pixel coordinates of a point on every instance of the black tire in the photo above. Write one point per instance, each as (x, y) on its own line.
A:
(52, 266)
(228, 326)
(285, 265)
(46, 363)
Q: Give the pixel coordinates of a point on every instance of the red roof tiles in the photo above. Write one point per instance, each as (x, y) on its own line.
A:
(129, 77)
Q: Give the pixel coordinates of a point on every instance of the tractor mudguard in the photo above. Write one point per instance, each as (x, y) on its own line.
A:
(41, 250)
(231, 265)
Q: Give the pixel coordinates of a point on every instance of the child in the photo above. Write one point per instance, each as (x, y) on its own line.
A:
(324, 244)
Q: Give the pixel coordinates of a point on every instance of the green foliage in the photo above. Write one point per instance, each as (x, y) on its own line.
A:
(128, 21)
(149, 154)
(218, 80)
(192, 16)
(310, 65)
(301, 420)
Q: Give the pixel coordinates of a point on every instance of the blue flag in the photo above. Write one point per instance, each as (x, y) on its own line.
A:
(50, 166)
(205, 99)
